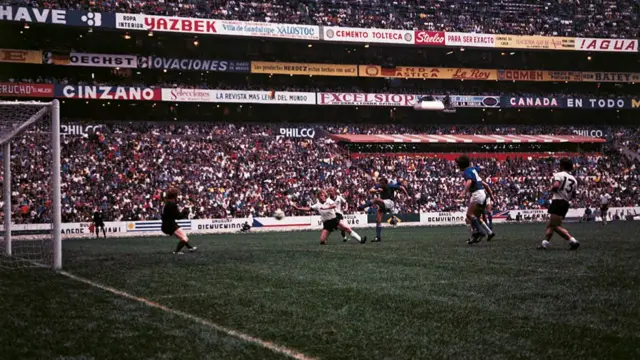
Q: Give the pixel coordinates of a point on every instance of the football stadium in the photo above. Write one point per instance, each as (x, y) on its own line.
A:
(186, 179)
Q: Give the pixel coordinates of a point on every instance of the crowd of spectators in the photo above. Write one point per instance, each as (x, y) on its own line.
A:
(225, 170)
(585, 18)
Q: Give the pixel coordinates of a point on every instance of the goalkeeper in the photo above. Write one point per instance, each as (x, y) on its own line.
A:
(170, 215)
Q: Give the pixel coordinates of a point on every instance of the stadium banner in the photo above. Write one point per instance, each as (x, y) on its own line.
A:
(79, 130)
(535, 42)
(369, 99)
(26, 90)
(608, 45)
(56, 58)
(154, 225)
(569, 76)
(610, 77)
(399, 218)
(72, 229)
(539, 75)
(21, 56)
(442, 218)
(523, 75)
(57, 16)
(106, 92)
(289, 222)
(186, 25)
(596, 133)
(412, 72)
(470, 40)
(367, 36)
(293, 132)
(570, 102)
(263, 67)
(351, 220)
(239, 96)
(218, 225)
(102, 60)
(155, 62)
(429, 38)
(302, 223)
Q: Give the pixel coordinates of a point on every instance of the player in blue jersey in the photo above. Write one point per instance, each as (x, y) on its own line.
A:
(385, 202)
(475, 186)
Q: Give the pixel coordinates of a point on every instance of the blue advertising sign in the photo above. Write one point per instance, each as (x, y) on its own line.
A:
(56, 16)
(155, 62)
(570, 102)
(602, 103)
(107, 92)
(531, 102)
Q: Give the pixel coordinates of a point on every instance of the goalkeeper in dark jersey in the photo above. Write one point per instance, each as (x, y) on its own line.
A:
(170, 214)
(98, 223)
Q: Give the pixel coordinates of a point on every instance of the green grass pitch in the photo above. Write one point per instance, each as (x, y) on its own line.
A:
(421, 294)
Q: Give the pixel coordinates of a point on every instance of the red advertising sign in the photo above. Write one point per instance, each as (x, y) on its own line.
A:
(165, 23)
(429, 38)
(611, 45)
(26, 90)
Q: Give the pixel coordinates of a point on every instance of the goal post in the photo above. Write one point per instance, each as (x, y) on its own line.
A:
(30, 143)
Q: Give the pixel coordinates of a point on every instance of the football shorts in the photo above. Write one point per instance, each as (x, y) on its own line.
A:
(559, 207)
(479, 197)
(388, 204)
(169, 229)
(331, 225)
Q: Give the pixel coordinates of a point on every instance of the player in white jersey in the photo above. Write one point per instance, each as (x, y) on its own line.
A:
(564, 189)
(604, 207)
(340, 206)
(327, 210)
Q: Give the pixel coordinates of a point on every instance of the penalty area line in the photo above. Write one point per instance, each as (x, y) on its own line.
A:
(279, 349)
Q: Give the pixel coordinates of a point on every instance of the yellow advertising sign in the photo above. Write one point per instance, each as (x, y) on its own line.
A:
(428, 73)
(620, 77)
(21, 56)
(263, 67)
(535, 42)
(416, 72)
(539, 75)
(571, 76)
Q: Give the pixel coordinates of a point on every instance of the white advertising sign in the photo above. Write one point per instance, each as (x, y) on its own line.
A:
(360, 35)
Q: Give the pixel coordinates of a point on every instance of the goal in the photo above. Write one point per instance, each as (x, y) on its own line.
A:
(31, 201)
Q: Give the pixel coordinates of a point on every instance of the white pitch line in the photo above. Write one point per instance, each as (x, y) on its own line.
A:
(173, 296)
(279, 349)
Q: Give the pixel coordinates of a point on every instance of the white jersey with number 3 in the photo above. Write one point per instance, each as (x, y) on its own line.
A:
(568, 186)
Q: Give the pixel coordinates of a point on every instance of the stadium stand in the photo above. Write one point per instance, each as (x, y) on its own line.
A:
(234, 170)
(616, 19)
(248, 121)
(124, 168)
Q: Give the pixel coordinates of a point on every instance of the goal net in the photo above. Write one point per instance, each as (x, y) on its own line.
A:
(30, 211)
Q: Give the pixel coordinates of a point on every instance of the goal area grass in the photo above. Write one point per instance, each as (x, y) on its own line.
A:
(422, 293)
